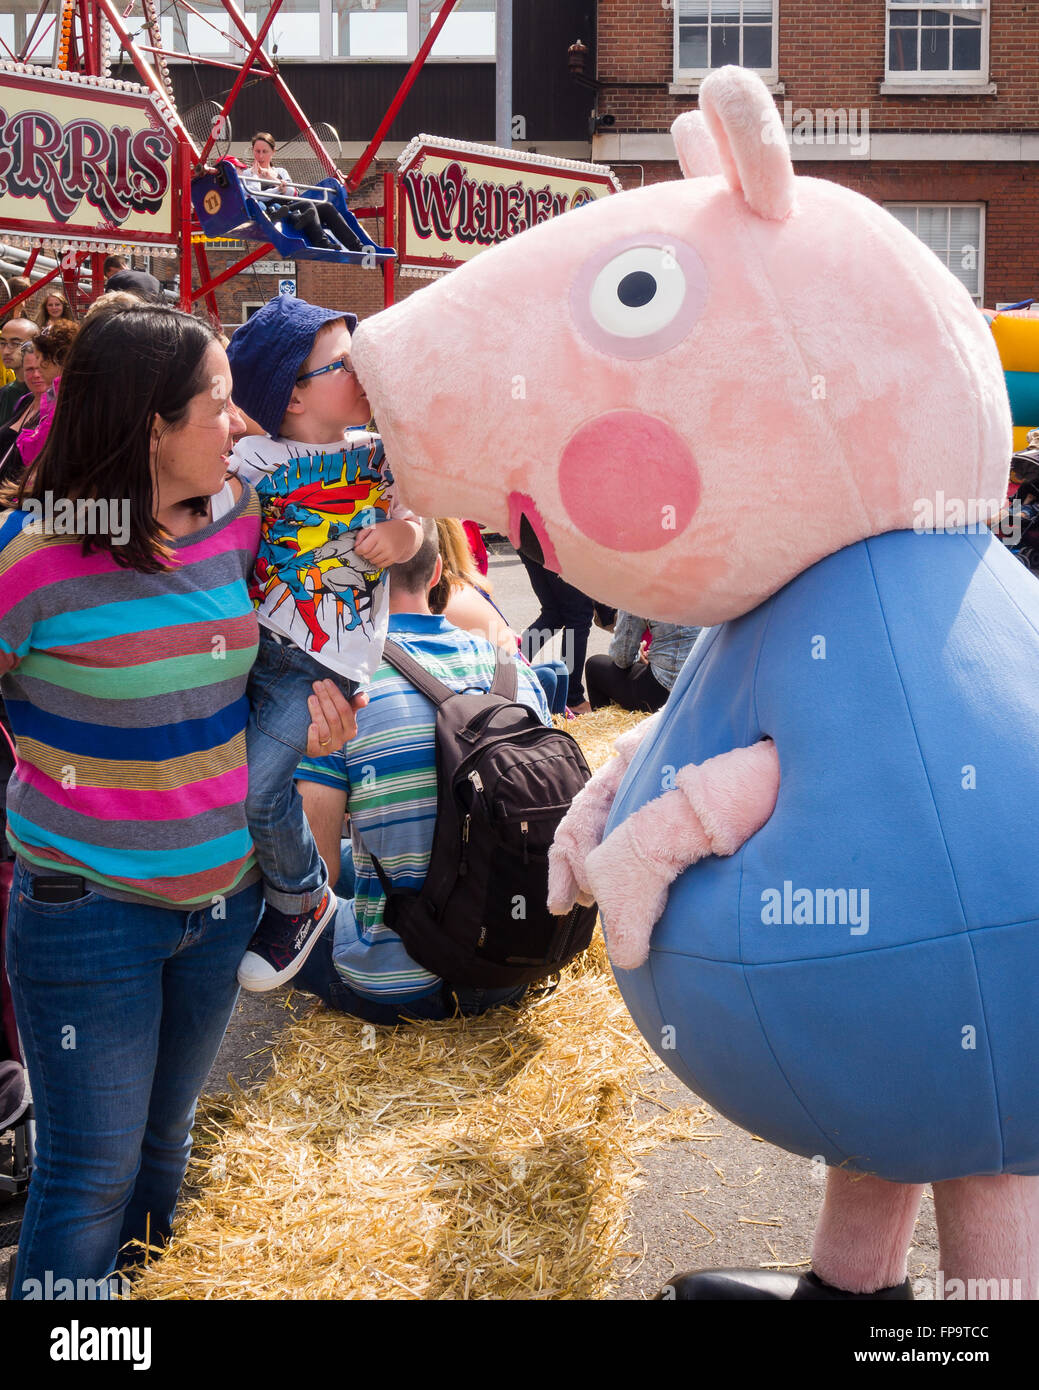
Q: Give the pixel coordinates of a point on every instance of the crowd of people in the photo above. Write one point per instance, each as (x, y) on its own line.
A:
(177, 822)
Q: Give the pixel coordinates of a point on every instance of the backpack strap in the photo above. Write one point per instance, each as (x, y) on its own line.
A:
(409, 668)
(504, 683)
(387, 887)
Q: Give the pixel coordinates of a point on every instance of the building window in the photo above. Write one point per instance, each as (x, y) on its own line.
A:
(954, 232)
(16, 24)
(248, 307)
(937, 43)
(711, 33)
(369, 31)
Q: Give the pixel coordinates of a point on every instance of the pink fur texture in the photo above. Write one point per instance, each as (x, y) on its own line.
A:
(988, 1234)
(751, 141)
(716, 808)
(989, 1230)
(581, 829)
(481, 380)
(697, 152)
(864, 1231)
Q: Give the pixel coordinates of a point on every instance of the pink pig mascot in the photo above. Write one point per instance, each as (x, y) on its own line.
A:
(799, 861)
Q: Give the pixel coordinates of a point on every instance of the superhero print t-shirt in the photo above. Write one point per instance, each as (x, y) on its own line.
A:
(310, 586)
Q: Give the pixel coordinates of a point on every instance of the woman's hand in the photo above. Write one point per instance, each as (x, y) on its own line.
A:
(333, 719)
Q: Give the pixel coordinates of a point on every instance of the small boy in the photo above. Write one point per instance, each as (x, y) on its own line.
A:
(331, 526)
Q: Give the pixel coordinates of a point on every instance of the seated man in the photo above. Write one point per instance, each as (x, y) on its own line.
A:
(386, 779)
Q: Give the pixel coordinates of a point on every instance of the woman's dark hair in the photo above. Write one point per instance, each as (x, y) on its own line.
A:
(263, 135)
(53, 343)
(126, 366)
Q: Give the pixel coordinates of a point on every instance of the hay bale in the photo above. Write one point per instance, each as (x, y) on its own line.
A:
(485, 1158)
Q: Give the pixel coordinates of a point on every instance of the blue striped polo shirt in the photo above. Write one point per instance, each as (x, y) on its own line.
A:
(388, 773)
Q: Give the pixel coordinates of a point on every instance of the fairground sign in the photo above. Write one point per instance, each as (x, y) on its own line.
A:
(84, 162)
(455, 199)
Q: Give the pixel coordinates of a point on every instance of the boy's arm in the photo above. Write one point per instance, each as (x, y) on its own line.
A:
(390, 542)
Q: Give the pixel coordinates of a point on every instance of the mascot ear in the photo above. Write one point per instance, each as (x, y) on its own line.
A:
(697, 152)
(751, 141)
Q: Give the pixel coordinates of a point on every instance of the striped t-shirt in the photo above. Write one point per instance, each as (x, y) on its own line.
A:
(388, 772)
(129, 709)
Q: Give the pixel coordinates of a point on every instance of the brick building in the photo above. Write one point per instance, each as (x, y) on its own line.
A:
(929, 109)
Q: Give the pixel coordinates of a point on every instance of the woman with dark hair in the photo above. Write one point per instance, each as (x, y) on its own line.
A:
(313, 221)
(127, 643)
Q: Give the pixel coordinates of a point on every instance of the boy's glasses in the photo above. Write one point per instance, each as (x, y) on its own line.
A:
(341, 363)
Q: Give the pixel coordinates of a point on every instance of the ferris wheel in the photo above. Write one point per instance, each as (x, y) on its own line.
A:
(84, 149)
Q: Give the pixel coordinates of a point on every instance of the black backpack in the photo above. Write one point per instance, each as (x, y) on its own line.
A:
(504, 782)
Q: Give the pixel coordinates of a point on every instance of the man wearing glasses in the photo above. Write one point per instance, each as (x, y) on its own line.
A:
(14, 333)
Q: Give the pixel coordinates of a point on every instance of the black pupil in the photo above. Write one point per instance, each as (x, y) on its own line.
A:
(636, 289)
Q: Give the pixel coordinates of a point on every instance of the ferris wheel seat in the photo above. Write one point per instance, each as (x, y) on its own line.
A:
(225, 208)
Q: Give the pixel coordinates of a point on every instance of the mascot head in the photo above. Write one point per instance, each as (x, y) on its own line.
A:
(682, 396)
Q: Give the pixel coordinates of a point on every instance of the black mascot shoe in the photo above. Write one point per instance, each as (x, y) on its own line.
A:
(766, 1285)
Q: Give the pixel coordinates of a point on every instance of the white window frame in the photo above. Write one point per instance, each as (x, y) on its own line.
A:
(246, 304)
(689, 79)
(326, 20)
(982, 208)
(950, 81)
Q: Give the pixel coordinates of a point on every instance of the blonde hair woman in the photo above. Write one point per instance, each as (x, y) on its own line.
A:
(463, 596)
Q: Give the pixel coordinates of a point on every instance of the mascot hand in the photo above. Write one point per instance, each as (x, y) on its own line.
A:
(582, 828)
(580, 831)
(715, 809)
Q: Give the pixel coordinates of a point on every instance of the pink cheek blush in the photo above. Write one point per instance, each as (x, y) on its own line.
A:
(629, 482)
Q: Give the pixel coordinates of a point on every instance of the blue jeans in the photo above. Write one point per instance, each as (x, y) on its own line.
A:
(279, 685)
(554, 679)
(122, 1009)
(319, 976)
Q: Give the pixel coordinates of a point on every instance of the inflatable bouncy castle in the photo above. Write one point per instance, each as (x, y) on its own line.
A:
(1016, 332)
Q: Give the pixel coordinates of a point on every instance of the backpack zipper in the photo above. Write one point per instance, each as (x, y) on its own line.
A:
(524, 832)
(463, 867)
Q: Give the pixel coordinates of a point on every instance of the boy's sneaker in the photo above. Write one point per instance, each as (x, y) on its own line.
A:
(281, 945)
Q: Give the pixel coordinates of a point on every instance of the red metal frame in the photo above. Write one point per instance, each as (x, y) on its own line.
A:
(358, 171)
(85, 55)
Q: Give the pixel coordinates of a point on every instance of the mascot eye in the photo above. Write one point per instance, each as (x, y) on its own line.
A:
(639, 297)
(639, 292)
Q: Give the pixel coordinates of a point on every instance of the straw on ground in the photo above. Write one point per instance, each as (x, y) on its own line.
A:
(486, 1158)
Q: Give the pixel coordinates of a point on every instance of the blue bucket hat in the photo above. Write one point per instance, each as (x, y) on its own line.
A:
(267, 352)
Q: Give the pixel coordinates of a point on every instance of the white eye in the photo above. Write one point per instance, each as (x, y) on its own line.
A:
(639, 292)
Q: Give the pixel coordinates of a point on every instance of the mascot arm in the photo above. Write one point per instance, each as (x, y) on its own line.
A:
(716, 807)
(582, 828)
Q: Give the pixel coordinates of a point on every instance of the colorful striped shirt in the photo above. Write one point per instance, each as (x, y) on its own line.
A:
(129, 709)
(388, 772)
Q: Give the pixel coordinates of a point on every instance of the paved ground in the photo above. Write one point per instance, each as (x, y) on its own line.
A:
(724, 1200)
